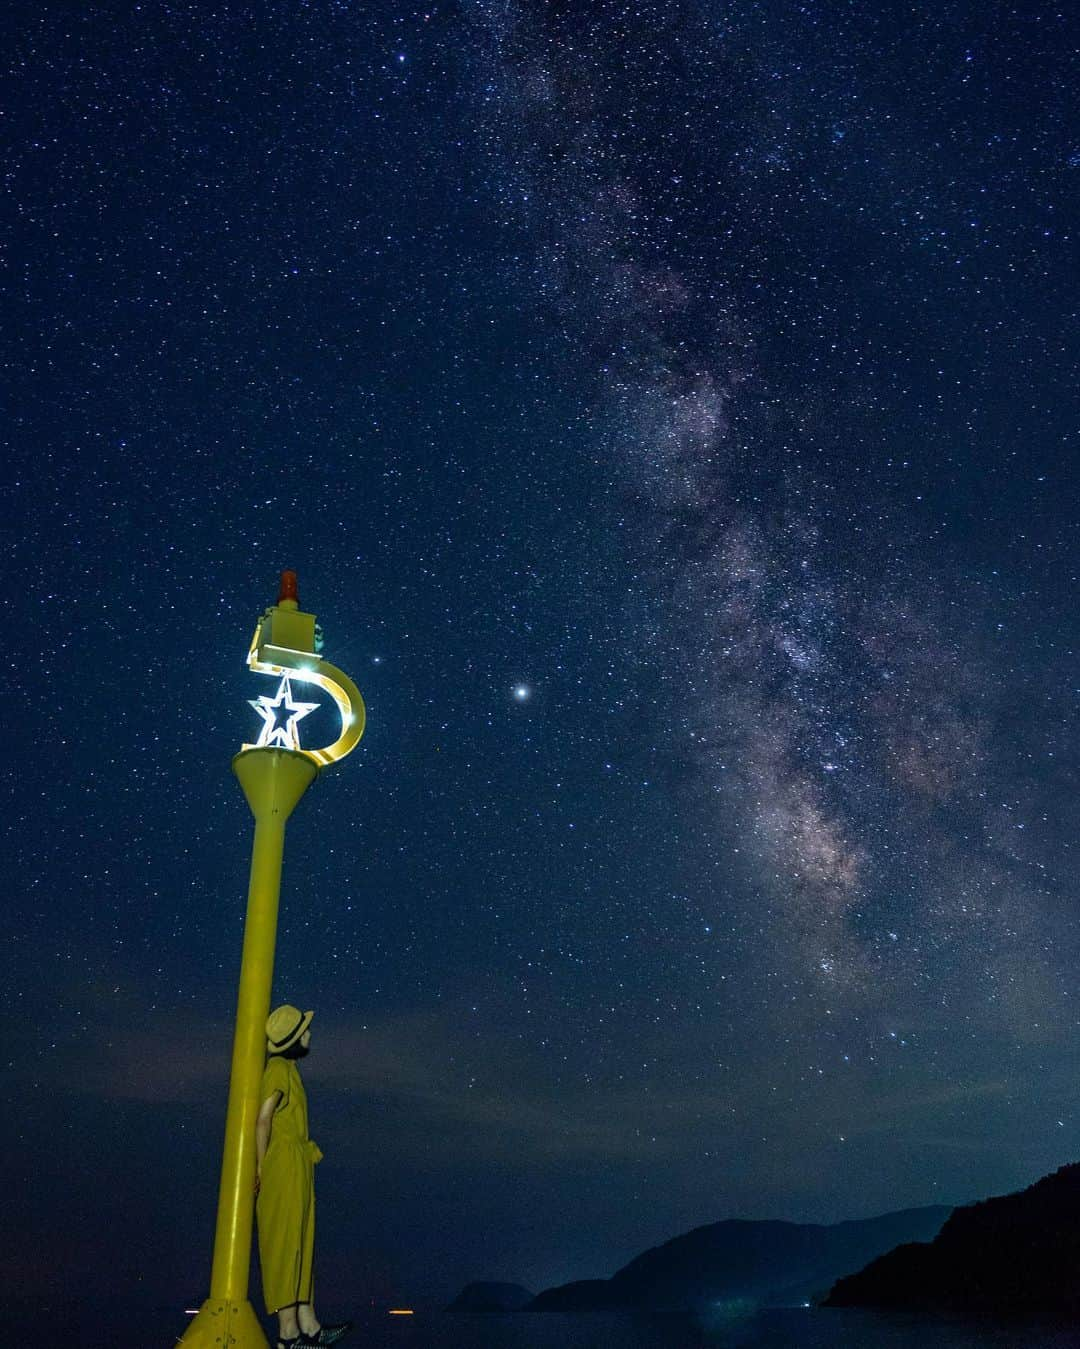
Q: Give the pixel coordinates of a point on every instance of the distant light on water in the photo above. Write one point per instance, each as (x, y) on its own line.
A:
(733, 1309)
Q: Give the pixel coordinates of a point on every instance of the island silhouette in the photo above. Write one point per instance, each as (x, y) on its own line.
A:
(762, 1263)
(1014, 1257)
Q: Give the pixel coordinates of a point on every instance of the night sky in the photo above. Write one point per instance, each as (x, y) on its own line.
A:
(670, 410)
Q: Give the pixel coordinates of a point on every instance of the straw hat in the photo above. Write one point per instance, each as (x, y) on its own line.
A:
(284, 1026)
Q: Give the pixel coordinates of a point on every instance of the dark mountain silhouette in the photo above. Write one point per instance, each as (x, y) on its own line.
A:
(582, 1295)
(1014, 1256)
(772, 1263)
(491, 1297)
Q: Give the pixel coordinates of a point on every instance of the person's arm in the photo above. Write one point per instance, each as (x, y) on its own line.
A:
(263, 1125)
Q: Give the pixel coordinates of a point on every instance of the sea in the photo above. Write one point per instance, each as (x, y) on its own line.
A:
(728, 1326)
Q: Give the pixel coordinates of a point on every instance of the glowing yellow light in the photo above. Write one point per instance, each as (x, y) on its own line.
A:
(297, 666)
(400, 1311)
(274, 733)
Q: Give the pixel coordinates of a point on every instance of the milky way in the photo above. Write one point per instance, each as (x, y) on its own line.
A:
(832, 704)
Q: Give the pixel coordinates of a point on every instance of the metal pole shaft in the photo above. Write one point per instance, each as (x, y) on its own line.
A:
(273, 780)
(232, 1239)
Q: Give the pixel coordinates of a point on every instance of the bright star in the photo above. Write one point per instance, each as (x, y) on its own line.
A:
(521, 693)
(280, 715)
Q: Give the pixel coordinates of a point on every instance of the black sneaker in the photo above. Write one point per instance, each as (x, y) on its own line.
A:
(329, 1334)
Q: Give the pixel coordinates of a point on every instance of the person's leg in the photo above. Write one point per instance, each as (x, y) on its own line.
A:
(317, 1332)
(279, 1222)
(306, 1318)
(308, 1321)
(288, 1329)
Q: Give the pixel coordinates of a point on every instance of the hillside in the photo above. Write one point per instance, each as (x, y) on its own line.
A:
(773, 1263)
(1014, 1256)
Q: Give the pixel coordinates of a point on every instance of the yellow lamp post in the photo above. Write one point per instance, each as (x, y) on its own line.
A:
(274, 774)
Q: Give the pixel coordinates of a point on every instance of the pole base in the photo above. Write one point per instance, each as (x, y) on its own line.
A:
(220, 1324)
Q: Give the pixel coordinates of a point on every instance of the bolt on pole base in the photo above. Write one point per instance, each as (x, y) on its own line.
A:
(221, 1324)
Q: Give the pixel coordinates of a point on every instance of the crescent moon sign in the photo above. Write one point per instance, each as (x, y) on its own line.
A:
(308, 668)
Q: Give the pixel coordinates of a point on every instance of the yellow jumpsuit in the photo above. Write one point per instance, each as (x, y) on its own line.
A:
(285, 1207)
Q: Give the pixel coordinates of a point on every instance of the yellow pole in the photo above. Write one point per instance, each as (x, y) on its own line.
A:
(273, 780)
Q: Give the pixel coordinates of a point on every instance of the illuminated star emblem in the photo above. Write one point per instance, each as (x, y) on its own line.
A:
(280, 715)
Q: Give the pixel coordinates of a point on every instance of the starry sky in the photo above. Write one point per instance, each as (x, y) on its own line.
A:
(670, 410)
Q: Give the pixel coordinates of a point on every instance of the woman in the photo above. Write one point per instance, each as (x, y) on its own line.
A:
(284, 1183)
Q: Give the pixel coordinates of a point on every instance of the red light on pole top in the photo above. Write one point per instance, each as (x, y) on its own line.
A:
(287, 589)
